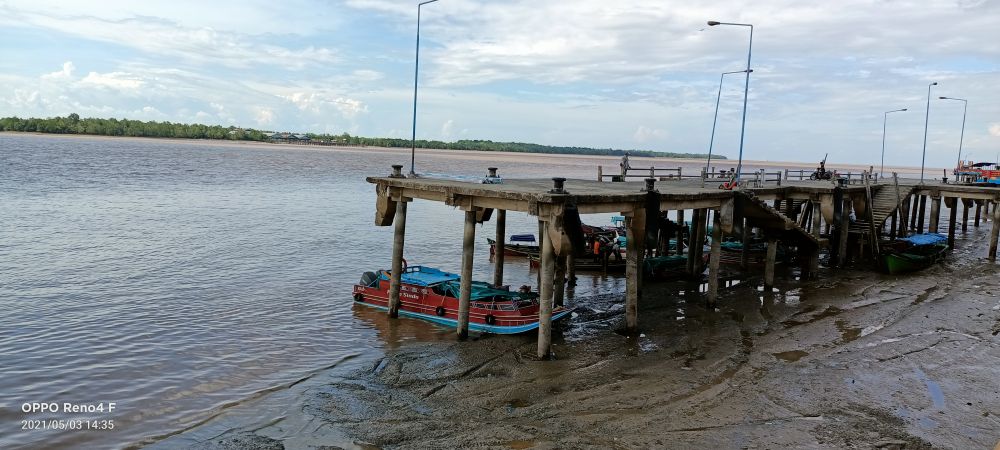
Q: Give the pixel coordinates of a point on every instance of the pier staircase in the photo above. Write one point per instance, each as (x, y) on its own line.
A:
(764, 216)
(884, 201)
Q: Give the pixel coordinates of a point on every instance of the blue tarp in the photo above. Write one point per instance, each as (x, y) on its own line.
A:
(522, 238)
(925, 239)
(424, 276)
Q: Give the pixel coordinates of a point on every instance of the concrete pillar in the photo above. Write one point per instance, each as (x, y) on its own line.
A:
(713, 262)
(541, 231)
(468, 255)
(844, 230)
(559, 281)
(772, 253)
(498, 254)
(914, 208)
(952, 216)
(994, 233)
(932, 225)
(920, 213)
(547, 269)
(633, 267)
(965, 215)
(397, 259)
(979, 208)
(699, 260)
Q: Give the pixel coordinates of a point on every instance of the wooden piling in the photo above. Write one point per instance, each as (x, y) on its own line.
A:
(745, 254)
(465, 291)
(559, 281)
(979, 208)
(636, 223)
(498, 248)
(965, 215)
(547, 270)
(994, 233)
(932, 225)
(541, 231)
(680, 231)
(713, 262)
(816, 216)
(693, 240)
(397, 258)
(571, 269)
(920, 213)
(904, 215)
(914, 208)
(952, 216)
(772, 253)
(892, 226)
(845, 227)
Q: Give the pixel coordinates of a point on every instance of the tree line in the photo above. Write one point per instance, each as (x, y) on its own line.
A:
(73, 124)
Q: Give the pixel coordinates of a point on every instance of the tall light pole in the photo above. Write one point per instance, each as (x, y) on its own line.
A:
(711, 141)
(965, 109)
(927, 116)
(885, 118)
(416, 71)
(746, 89)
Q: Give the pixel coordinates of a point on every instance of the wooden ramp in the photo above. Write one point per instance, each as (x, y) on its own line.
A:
(774, 223)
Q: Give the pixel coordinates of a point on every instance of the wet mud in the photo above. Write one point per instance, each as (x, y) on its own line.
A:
(854, 360)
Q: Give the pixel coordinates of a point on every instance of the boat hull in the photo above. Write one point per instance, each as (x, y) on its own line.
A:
(473, 326)
(897, 263)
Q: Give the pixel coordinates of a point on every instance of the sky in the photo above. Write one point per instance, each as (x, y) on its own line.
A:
(622, 74)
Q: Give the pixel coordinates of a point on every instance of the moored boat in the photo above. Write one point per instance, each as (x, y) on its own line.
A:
(914, 253)
(431, 294)
(517, 245)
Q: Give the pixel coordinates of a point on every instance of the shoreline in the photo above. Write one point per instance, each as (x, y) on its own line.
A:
(610, 162)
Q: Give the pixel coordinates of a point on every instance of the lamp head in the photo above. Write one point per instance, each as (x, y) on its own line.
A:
(712, 23)
(904, 109)
(749, 71)
(934, 83)
(943, 98)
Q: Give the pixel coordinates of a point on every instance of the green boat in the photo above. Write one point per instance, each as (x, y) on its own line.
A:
(914, 253)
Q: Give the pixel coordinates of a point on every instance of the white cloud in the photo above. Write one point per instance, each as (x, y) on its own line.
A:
(64, 74)
(120, 81)
(317, 102)
(264, 116)
(447, 130)
(995, 129)
(644, 134)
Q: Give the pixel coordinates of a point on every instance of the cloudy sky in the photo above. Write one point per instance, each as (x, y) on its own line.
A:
(623, 74)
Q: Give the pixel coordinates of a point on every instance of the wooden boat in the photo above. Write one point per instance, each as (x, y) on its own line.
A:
(913, 253)
(731, 253)
(517, 245)
(431, 294)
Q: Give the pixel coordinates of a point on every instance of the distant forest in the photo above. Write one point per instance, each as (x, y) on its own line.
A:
(73, 124)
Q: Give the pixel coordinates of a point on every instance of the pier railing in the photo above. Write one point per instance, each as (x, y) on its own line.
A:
(659, 173)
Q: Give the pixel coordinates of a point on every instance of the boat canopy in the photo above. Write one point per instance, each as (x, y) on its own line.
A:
(522, 238)
(925, 239)
(423, 276)
(481, 291)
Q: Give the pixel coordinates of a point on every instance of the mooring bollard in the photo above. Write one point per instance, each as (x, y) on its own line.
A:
(557, 185)
(493, 171)
(650, 183)
(397, 171)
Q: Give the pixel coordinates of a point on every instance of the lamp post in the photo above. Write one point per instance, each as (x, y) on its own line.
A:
(711, 141)
(885, 118)
(965, 109)
(416, 70)
(927, 116)
(746, 89)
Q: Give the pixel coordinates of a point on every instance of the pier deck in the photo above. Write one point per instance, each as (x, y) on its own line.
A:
(796, 218)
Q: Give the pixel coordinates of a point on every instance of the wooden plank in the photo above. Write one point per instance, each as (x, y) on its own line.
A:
(397, 260)
(465, 291)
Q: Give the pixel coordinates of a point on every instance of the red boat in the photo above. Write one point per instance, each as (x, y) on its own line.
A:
(431, 294)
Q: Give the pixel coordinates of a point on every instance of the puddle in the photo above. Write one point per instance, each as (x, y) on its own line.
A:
(847, 333)
(791, 356)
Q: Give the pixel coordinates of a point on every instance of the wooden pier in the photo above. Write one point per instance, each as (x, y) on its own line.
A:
(808, 216)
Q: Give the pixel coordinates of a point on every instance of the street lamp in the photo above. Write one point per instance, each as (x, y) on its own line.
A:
(746, 89)
(711, 141)
(927, 116)
(416, 70)
(965, 108)
(885, 118)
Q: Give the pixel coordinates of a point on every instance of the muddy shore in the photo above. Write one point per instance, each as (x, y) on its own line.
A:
(853, 360)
